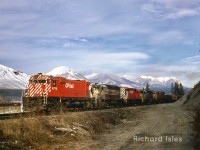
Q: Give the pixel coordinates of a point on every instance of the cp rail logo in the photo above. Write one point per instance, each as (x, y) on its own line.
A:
(69, 85)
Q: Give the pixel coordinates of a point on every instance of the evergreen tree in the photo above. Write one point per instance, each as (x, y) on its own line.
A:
(172, 88)
(147, 87)
(176, 88)
(181, 90)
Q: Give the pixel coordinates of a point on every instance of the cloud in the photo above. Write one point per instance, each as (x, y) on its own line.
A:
(117, 58)
(106, 61)
(81, 40)
(163, 69)
(20, 4)
(180, 13)
(194, 60)
(115, 35)
(193, 75)
(176, 3)
(186, 73)
(171, 9)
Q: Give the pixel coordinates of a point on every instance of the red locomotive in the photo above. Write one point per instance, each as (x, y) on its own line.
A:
(45, 91)
(49, 86)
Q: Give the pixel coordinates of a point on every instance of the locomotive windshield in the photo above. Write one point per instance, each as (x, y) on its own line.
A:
(42, 81)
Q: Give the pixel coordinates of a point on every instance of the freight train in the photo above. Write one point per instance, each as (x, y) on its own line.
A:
(49, 93)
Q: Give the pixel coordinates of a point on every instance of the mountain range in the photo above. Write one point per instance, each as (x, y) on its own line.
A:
(12, 79)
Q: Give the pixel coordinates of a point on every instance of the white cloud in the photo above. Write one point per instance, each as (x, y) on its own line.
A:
(112, 59)
(195, 60)
(180, 13)
(175, 3)
(187, 74)
(171, 9)
(81, 40)
(157, 68)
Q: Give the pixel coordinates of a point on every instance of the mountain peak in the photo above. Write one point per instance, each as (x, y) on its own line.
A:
(60, 70)
(66, 72)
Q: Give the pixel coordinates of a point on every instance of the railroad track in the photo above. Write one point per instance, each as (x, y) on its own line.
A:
(6, 116)
(12, 115)
(29, 114)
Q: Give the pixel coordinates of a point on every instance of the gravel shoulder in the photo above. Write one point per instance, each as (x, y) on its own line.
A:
(156, 127)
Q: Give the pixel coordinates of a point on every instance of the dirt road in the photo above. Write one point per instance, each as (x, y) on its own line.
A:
(156, 127)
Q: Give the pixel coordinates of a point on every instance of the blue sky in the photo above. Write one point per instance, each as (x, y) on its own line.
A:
(146, 37)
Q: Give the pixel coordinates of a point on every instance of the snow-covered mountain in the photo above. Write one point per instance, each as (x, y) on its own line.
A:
(143, 80)
(160, 83)
(12, 79)
(66, 72)
(110, 79)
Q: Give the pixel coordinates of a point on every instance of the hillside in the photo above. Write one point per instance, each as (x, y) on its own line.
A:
(191, 100)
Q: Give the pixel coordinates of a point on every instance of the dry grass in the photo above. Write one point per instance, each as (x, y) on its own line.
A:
(40, 132)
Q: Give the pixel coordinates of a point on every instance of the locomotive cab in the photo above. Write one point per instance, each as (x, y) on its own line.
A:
(39, 85)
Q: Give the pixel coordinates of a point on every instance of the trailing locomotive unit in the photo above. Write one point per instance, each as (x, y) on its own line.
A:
(130, 96)
(106, 95)
(158, 97)
(56, 93)
(146, 96)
